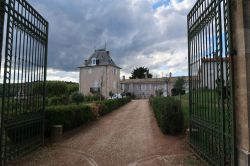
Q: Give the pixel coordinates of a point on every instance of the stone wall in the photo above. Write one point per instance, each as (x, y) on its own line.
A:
(241, 70)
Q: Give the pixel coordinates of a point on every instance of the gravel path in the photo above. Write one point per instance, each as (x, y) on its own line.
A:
(127, 137)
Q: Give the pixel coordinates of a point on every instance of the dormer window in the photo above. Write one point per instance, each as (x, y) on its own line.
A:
(93, 61)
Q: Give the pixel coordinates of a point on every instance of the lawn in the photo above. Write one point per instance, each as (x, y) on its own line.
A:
(205, 105)
(185, 109)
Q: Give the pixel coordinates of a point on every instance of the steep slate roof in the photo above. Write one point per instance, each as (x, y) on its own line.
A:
(103, 58)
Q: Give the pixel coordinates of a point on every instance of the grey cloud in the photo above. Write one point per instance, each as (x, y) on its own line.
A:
(129, 29)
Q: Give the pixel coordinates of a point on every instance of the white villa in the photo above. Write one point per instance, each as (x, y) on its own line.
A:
(144, 88)
(99, 74)
(206, 71)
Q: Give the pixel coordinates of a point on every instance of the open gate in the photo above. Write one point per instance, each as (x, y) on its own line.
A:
(23, 50)
(211, 90)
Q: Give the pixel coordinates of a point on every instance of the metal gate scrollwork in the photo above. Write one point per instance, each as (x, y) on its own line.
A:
(23, 64)
(210, 79)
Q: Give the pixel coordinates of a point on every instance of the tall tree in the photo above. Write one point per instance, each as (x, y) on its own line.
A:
(179, 85)
(140, 73)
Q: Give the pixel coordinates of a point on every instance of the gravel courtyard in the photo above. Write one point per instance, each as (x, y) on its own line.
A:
(127, 137)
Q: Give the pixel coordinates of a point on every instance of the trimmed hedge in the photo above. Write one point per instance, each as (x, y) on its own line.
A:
(70, 116)
(73, 116)
(168, 114)
(89, 98)
(107, 106)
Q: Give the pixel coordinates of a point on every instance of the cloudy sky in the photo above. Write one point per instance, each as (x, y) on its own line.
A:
(149, 33)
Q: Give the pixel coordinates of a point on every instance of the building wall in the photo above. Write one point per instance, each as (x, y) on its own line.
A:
(113, 80)
(92, 77)
(210, 74)
(145, 89)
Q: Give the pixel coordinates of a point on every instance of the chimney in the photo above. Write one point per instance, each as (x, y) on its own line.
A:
(146, 75)
(86, 62)
(123, 78)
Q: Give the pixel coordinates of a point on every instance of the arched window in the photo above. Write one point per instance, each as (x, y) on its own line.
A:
(93, 61)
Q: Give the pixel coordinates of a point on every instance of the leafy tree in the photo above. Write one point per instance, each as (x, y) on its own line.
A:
(72, 87)
(179, 86)
(140, 72)
(56, 88)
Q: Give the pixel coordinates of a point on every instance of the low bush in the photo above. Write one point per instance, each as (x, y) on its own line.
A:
(53, 101)
(70, 116)
(77, 97)
(130, 95)
(89, 98)
(107, 106)
(168, 114)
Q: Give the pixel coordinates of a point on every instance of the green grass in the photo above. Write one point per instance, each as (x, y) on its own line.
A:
(206, 106)
(185, 109)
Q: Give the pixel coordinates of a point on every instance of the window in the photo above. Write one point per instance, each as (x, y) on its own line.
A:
(114, 71)
(93, 61)
(143, 87)
(95, 90)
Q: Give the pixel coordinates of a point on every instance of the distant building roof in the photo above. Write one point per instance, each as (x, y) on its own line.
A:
(151, 80)
(102, 58)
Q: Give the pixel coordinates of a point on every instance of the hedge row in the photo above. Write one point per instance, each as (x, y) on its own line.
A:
(107, 106)
(168, 114)
(72, 116)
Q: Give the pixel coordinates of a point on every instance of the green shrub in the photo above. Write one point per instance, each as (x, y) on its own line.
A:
(72, 87)
(62, 100)
(54, 100)
(90, 98)
(70, 116)
(55, 88)
(168, 114)
(108, 106)
(77, 97)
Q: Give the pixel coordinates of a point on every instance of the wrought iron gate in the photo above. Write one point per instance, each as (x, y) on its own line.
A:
(211, 90)
(23, 50)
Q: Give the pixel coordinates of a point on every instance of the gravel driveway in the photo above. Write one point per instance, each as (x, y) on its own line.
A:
(127, 137)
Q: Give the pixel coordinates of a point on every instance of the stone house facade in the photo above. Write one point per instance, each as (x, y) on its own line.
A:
(144, 88)
(99, 74)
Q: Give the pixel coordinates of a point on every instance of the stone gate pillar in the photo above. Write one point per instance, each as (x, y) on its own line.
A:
(241, 44)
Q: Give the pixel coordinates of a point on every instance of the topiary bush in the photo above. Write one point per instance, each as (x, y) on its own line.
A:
(168, 114)
(70, 116)
(77, 97)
